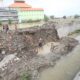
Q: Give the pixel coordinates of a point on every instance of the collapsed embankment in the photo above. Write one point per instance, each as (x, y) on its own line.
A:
(23, 45)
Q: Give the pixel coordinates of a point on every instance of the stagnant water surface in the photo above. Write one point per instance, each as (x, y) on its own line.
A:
(65, 30)
(65, 69)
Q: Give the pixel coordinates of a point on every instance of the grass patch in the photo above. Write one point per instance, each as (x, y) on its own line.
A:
(75, 32)
(25, 76)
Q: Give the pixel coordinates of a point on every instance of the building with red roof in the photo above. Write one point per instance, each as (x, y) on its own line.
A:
(26, 12)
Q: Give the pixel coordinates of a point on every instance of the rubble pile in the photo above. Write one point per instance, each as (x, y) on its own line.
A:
(46, 32)
(27, 39)
(24, 44)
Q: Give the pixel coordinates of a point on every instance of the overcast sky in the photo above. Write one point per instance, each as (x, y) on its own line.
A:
(54, 7)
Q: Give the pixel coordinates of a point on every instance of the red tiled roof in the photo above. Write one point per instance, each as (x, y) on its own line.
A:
(20, 5)
(31, 9)
(24, 7)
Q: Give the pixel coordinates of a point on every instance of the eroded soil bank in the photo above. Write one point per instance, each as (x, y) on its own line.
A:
(65, 69)
(22, 46)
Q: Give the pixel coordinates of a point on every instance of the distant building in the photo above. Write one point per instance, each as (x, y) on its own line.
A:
(7, 14)
(26, 12)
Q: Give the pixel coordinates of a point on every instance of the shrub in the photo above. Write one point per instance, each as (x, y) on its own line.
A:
(25, 76)
(46, 18)
(30, 21)
(75, 32)
(0, 23)
(10, 21)
(64, 17)
(52, 17)
(76, 16)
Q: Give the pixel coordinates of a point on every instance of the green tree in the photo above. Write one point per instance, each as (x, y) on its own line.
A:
(46, 18)
(64, 17)
(76, 16)
(10, 21)
(52, 17)
(0, 22)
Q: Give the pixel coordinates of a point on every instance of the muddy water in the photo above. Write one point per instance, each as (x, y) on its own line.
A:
(65, 30)
(65, 69)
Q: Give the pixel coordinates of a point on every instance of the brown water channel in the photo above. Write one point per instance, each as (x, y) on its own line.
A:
(65, 69)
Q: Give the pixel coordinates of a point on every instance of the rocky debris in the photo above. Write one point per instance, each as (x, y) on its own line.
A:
(33, 67)
(7, 60)
(66, 45)
(27, 39)
(69, 41)
(25, 43)
(35, 64)
(46, 49)
(47, 32)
